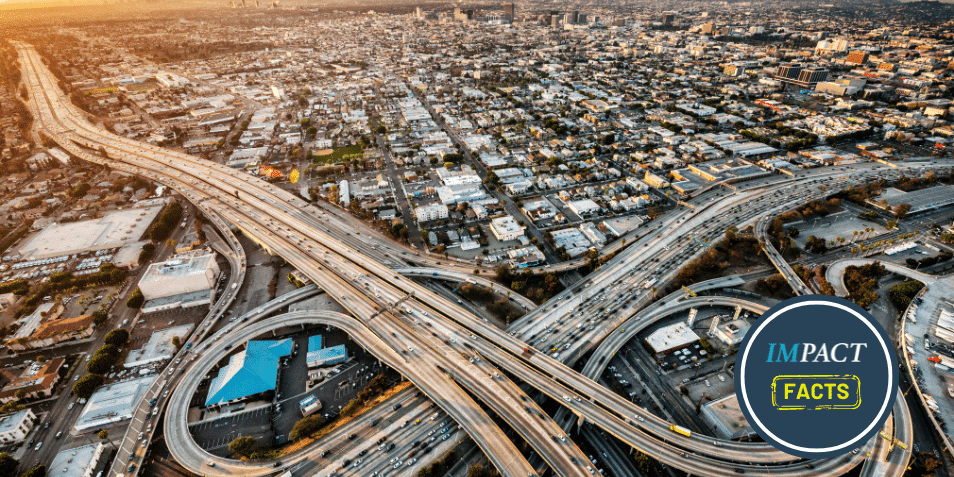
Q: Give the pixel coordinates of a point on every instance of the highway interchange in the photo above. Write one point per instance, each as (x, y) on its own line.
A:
(433, 341)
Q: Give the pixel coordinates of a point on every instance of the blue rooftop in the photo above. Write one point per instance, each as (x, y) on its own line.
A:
(251, 371)
(328, 354)
(314, 343)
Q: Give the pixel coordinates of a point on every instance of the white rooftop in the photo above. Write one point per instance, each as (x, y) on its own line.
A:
(76, 462)
(671, 337)
(158, 348)
(113, 403)
(113, 230)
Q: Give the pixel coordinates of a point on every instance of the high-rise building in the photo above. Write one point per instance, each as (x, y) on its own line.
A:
(668, 19)
(509, 11)
(788, 71)
(857, 57)
(575, 17)
(418, 13)
(812, 76)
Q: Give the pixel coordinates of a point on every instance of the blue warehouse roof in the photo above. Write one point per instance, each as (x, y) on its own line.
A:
(251, 371)
(327, 354)
(314, 343)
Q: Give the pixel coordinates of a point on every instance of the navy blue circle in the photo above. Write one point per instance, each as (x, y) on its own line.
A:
(800, 403)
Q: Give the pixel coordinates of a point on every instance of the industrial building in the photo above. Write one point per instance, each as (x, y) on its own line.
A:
(15, 427)
(113, 403)
(251, 371)
(78, 461)
(113, 230)
(672, 337)
(328, 356)
(182, 281)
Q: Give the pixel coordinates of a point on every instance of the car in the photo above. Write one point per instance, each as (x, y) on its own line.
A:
(277, 464)
(38, 446)
(362, 453)
(131, 467)
(58, 435)
(352, 437)
(325, 453)
(71, 405)
(144, 444)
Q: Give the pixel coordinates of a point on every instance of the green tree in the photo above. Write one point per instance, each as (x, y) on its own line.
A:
(8, 465)
(100, 364)
(117, 337)
(136, 300)
(176, 341)
(306, 426)
(87, 385)
(242, 445)
(103, 434)
(100, 317)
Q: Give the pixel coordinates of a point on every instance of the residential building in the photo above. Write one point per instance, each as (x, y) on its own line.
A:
(427, 213)
(14, 427)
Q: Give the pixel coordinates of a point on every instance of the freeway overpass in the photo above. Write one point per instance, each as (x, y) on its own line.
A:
(369, 291)
(459, 277)
(836, 273)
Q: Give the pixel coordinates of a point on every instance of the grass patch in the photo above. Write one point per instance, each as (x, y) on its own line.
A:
(108, 89)
(341, 421)
(337, 155)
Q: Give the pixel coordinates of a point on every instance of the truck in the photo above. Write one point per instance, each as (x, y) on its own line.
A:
(309, 405)
(649, 283)
(680, 430)
(234, 286)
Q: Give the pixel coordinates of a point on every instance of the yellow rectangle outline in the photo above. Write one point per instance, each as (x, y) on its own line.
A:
(811, 377)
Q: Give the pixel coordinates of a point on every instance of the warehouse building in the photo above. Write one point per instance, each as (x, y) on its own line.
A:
(672, 337)
(182, 281)
(113, 403)
(78, 461)
(328, 356)
(249, 372)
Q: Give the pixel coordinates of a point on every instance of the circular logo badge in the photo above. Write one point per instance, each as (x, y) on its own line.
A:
(816, 376)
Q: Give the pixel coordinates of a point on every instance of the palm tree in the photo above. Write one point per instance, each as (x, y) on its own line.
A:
(854, 234)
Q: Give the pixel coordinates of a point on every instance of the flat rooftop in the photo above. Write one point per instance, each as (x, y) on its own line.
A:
(158, 348)
(112, 403)
(113, 230)
(76, 462)
(922, 200)
(671, 337)
(727, 418)
(10, 421)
